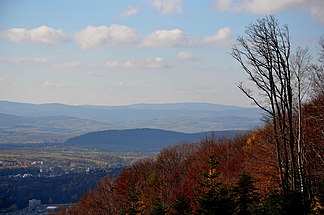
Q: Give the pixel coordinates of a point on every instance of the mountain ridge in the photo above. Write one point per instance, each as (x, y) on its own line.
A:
(39, 123)
(128, 112)
(140, 139)
(5, 105)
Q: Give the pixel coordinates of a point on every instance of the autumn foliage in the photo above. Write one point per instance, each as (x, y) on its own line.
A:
(230, 175)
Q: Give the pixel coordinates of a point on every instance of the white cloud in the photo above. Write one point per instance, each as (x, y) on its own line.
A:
(43, 60)
(113, 63)
(165, 38)
(184, 55)
(17, 59)
(147, 63)
(256, 6)
(315, 7)
(131, 11)
(74, 64)
(40, 60)
(167, 6)
(48, 84)
(41, 35)
(97, 36)
(222, 35)
(93, 74)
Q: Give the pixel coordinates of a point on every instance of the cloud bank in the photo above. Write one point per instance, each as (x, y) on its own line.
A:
(114, 35)
(167, 6)
(131, 11)
(265, 7)
(99, 36)
(48, 84)
(147, 63)
(17, 59)
(255, 6)
(222, 35)
(165, 38)
(184, 55)
(42, 35)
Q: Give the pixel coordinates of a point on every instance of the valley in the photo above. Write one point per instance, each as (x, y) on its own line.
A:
(56, 153)
(55, 174)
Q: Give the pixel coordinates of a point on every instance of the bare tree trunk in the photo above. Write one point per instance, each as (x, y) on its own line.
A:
(301, 69)
(265, 55)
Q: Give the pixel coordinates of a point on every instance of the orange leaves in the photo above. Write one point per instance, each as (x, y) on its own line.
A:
(178, 171)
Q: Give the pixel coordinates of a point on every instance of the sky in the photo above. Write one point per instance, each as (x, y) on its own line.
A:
(105, 52)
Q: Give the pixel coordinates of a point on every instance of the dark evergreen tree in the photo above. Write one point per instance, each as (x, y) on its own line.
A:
(214, 198)
(279, 203)
(245, 195)
(159, 207)
(182, 206)
(273, 204)
(318, 205)
(134, 201)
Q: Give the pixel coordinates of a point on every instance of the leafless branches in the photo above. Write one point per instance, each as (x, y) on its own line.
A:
(282, 81)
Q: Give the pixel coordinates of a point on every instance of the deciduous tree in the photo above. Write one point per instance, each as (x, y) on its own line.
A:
(280, 80)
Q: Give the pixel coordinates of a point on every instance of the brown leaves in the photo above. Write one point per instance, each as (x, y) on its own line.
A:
(179, 170)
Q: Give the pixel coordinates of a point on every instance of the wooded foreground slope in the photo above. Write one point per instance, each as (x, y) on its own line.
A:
(215, 176)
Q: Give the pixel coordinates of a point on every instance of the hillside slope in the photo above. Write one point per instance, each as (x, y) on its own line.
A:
(140, 140)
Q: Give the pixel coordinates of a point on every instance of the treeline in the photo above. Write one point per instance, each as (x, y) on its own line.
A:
(215, 176)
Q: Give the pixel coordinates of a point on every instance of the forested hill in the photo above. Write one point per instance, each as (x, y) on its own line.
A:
(142, 140)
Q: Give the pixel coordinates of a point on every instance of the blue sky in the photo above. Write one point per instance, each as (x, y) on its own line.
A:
(136, 51)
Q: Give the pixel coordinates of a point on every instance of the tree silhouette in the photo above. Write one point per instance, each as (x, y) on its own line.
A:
(182, 206)
(214, 198)
(279, 78)
(245, 195)
(135, 203)
(159, 207)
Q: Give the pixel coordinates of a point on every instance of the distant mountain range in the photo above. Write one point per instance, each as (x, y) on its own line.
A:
(139, 140)
(26, 129)
(38, 123)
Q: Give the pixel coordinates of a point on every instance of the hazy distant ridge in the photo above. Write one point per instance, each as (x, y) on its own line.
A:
(112, 113)
(33, 123)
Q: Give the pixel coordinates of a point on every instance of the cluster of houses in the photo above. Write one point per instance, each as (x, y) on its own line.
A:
(35, 207)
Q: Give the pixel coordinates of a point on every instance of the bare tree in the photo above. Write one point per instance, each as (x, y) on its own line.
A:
(318, 72)
(279, 77)
(301, 77)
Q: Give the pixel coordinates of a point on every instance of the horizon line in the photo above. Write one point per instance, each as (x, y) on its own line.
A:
(130, 104)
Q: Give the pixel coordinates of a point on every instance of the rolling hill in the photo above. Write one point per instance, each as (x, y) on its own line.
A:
(139, 140)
